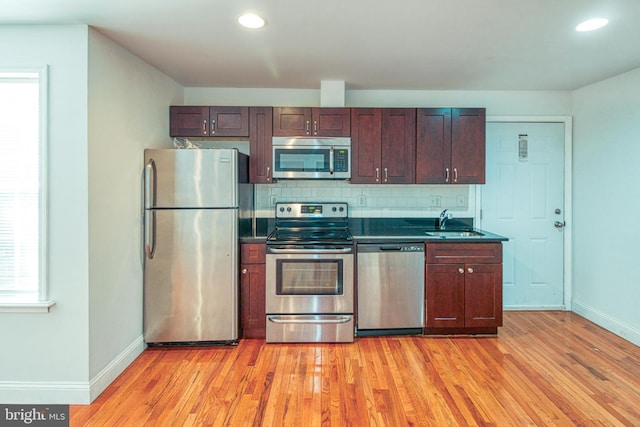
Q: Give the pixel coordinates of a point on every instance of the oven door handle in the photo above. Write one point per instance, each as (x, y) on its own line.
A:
(309, 251)
(284, 319)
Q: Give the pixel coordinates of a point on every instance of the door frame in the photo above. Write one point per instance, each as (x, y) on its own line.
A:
(568, 195)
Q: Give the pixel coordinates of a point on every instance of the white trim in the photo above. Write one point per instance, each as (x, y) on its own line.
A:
(534, 308)
(26, 307)
(623, 330)
(568, 185)
(43, 303)
(43, 203)
(55, 393)
(70, 392)
(106, 376)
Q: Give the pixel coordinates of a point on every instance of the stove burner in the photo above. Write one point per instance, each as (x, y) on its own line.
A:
(326, 226)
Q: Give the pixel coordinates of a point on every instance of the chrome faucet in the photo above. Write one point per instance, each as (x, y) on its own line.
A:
(444, 216)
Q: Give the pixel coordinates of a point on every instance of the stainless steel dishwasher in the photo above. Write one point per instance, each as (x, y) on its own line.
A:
(390, 288)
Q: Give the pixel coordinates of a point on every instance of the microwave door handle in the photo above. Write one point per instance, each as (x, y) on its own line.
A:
(331, 158)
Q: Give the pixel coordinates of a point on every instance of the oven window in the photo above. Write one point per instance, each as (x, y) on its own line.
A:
(302, 160)
(302, 277)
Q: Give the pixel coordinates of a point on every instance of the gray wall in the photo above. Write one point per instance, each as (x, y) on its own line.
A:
(606, 197)
(105, 106)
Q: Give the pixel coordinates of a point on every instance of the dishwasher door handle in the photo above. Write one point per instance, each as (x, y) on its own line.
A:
(390, 248)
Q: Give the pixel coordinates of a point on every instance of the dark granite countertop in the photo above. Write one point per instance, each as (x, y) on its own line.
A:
(371, 230)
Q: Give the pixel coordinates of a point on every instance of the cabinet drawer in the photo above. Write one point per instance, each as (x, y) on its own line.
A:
(453, 253)
(252, 253)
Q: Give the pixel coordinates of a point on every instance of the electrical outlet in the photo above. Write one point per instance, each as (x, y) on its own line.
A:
(274, 200)
(362, 201)
(461, 201)
(433, 201)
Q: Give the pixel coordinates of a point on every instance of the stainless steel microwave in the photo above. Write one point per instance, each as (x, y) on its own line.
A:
(311, 157)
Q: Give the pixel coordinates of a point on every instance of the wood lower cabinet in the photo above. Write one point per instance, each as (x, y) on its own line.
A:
(383, 145)
(463, 288)
(450, 146)
(302, 121)
(208, 121)
(252, 290)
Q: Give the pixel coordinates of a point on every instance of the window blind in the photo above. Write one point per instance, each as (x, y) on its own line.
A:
(19, 184)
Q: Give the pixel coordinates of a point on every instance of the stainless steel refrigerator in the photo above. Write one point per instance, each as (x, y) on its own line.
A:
(195, 203)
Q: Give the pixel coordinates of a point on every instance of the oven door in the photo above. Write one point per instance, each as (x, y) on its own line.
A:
(309, 281)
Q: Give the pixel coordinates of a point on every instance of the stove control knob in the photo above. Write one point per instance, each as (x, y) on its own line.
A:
(281, 209)
(288, 209)
(341, 209)
(333, 209)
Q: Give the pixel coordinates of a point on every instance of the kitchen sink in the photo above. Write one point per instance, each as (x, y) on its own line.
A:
(453, 234)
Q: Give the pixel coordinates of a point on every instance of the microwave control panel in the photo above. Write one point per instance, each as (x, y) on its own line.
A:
(341, 160)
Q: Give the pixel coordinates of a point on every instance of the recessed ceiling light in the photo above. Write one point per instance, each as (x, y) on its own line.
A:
(251, 20)
(592, 24)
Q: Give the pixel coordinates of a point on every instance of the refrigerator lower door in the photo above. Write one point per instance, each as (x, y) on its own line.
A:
(191, 280)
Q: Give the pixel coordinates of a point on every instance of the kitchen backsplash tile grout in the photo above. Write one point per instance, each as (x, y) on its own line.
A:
(379, 200)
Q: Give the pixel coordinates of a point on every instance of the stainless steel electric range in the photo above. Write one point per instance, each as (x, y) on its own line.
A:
(310, 274)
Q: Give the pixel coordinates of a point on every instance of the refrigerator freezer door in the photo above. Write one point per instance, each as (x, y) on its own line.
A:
(191, 178)
(191, 283)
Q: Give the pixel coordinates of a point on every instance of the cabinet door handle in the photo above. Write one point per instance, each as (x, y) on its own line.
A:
(244, 271)
(461, 270)
(268, 173)
(470, 270)
(377, 174)
(455, 174)
(213, 127)
(446, 176)
(315, 127)
(386, 175)
(306, 128)
(204, 127)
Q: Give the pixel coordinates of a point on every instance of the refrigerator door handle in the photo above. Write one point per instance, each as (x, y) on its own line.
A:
(150, 233)
(149, 184)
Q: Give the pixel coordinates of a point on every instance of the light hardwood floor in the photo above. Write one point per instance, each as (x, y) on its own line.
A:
(543, 369)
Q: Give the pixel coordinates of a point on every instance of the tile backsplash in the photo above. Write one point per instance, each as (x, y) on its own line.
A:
(378, 201)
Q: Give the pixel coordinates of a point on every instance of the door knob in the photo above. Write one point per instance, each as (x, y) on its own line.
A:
(559, 224)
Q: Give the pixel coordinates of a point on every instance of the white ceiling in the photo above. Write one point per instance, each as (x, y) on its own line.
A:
(370, 44)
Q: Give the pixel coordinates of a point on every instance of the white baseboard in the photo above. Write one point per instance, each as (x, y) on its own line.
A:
(68, 392)
(534, 308)
(615, 326)
(110, 372)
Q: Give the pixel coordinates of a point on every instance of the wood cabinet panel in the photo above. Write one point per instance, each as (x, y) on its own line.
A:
(398, 155)
(260, 137)
(383, 145)
(450, 146)
(252, 290)
(433, 141)
(252, 297)
(468, 145)
(445, 303)
(366, 145)
(463, 287)
(229, 121)
(188, 121)
(303, 121)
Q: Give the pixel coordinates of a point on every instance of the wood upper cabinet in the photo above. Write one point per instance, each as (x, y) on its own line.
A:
(450, 146)
(463, 286)
(260, 135)
(188, 121)
(301, 121)
(383, 145)
(253, 318)
(229, 121)
(208, 121)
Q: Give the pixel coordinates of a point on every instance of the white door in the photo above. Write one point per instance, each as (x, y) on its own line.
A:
(523, 199)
